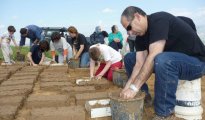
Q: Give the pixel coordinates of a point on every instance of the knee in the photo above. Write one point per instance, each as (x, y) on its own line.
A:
(161, 60)
(128, 57)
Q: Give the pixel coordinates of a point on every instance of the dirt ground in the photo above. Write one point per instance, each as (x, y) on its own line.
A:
(50, 93)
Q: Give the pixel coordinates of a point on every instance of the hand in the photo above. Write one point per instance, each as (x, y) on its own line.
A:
(92, 78)
(98, 77)
(35, 64)
(116, 40)
(128, 94)
(75, 57)
(127, 86)
(40, 63)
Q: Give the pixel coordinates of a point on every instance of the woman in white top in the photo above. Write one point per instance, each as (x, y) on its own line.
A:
(60, 44)
(109, 59)
(5, 41)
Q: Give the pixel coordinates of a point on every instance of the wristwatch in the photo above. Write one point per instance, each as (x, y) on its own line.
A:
(134, 88)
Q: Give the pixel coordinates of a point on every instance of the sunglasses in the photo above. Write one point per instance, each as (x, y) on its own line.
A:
(129, 27)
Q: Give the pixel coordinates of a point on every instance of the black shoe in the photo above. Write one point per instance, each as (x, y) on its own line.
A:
(148, 100)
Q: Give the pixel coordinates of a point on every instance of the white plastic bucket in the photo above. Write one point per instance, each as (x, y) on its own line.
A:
(188, 100)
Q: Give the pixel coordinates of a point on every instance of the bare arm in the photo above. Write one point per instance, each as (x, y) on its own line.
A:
(105, 69)
(147, 68)
(30, 59)
(42, 59)
(14, 41)
(79, 52)
(74, 50)
(92, 68)
(140, 58)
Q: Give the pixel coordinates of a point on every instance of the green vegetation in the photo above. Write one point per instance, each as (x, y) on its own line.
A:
(24, 51)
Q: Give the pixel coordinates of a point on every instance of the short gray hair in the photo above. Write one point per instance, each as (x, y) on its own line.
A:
(131, 10)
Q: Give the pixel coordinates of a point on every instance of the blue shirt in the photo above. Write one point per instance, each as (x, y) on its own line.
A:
(34, 32)
(36, 54)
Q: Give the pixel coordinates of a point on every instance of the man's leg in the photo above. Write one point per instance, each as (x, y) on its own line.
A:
(130, 60)
(169, 68)
(84, 60)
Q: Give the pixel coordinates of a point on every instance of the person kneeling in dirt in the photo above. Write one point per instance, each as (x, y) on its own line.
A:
(36, 55)
(109, 59)
(62, 46)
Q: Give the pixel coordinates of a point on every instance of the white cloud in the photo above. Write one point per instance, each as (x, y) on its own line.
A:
(201, 12)
(180, 12)
(198, 14)
(107, 10)
(100, 22)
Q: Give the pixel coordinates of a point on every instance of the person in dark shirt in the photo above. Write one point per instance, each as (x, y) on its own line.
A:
(98, 36)
(188, 21)
(36, 55)
(33, 32)
(80, 46)
(166, 45)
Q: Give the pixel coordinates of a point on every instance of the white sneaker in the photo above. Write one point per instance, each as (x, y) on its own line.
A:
(12, 61)
(6, 63)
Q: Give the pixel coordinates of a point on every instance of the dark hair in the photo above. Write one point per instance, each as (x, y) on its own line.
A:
(105, 34)
(113, 28)
(130, 11)
(55, 36)
(11, 28)
(94, 53)
(44, 45)
(23, 31)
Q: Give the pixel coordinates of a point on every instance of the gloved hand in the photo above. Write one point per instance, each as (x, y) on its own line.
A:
(53, 62)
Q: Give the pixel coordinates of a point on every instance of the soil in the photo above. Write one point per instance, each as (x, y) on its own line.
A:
(54, 94)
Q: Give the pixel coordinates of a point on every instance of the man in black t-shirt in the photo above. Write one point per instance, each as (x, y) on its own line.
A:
(166, 45)
(188, 21)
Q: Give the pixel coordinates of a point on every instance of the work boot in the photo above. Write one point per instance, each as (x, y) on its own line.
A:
(148, 100)
(170, 117)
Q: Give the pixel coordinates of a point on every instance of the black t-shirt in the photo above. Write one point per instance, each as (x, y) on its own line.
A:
(36, 54)
(80, 40)
(179, 36)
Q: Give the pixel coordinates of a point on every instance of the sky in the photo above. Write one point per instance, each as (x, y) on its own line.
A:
(85, 15)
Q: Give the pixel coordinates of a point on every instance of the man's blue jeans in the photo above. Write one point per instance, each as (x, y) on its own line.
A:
(130, 60)
(169, 67)
(84, 60)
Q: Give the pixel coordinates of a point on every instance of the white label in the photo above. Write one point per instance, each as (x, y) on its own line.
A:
(100, 112)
